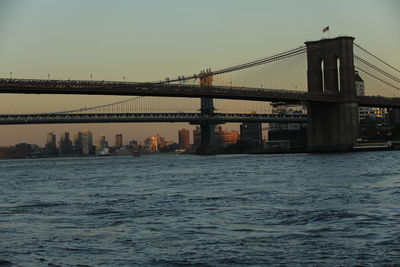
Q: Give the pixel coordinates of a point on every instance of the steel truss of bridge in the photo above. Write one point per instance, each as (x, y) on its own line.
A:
(193, 118)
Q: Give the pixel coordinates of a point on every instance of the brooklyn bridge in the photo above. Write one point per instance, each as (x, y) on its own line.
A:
(319, 73)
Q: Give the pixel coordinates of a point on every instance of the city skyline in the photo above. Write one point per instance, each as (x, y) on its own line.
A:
(72, 40)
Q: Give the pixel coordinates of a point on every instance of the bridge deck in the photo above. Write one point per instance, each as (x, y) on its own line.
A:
(24, 86)
(27, 86)
(194, 118)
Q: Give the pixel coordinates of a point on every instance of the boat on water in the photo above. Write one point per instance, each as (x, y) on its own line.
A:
(136, 154)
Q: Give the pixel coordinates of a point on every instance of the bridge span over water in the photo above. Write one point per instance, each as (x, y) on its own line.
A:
(321, 73)
(193, 118)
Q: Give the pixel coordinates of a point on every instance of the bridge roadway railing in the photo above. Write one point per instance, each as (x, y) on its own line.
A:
(32, 86)
(194, 118)
(26, 86)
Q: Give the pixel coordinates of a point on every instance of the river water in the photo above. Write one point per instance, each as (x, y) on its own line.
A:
(186, 210)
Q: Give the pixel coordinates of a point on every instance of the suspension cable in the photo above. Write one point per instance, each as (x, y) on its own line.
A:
(366, 72)
(377, 69)
(97, 107)
(387, 64)
(290, 53)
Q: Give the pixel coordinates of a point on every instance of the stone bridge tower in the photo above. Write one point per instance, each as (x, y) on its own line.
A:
(332, 126)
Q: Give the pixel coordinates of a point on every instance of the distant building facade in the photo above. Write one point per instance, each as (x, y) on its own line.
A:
(251, 134)
(151, 144)
(78, 143)
(102, 146)
(287, 108)
(196, 137)
(294, 133)
(225, 137)
(161, 142)
(184, 139)
(222, 137)
(367, 112)
(65, 144)
(87, 142)
(51, 144)
(363, 112)
(118, 141)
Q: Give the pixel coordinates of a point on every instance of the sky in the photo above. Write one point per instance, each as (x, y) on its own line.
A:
(152, 39)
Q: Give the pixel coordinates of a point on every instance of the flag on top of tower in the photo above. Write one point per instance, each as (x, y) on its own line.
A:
(325, 29)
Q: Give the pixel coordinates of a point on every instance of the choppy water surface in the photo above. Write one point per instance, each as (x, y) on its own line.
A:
(171, 210)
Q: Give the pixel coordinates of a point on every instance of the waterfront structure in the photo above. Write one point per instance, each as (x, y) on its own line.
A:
(251, 134)
(87, 142)
(6, 151)
(23, 150)
(184, 139)
(292, 133)
(287, 108)
(118, 141)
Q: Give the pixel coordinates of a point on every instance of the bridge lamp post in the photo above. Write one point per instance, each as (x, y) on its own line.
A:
(91, 77)
(124, 78)
(48, 76)
(11, 75)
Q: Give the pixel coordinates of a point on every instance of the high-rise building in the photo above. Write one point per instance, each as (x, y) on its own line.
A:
(151, 144)
(118, 140)
(65, 144)
(51, 144)
(251, 134)
(222, 137)
(197, 137)
(364, 112)
(230, 137)
(184, 139)
(78, 143)
(160, 141)
(102, 146)
(225, 137)
(87, 142)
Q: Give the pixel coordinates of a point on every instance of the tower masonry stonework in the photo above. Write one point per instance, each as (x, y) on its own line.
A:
(332, 126)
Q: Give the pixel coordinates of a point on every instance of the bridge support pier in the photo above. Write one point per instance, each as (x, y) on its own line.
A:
(207, 143)
(332, 126)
